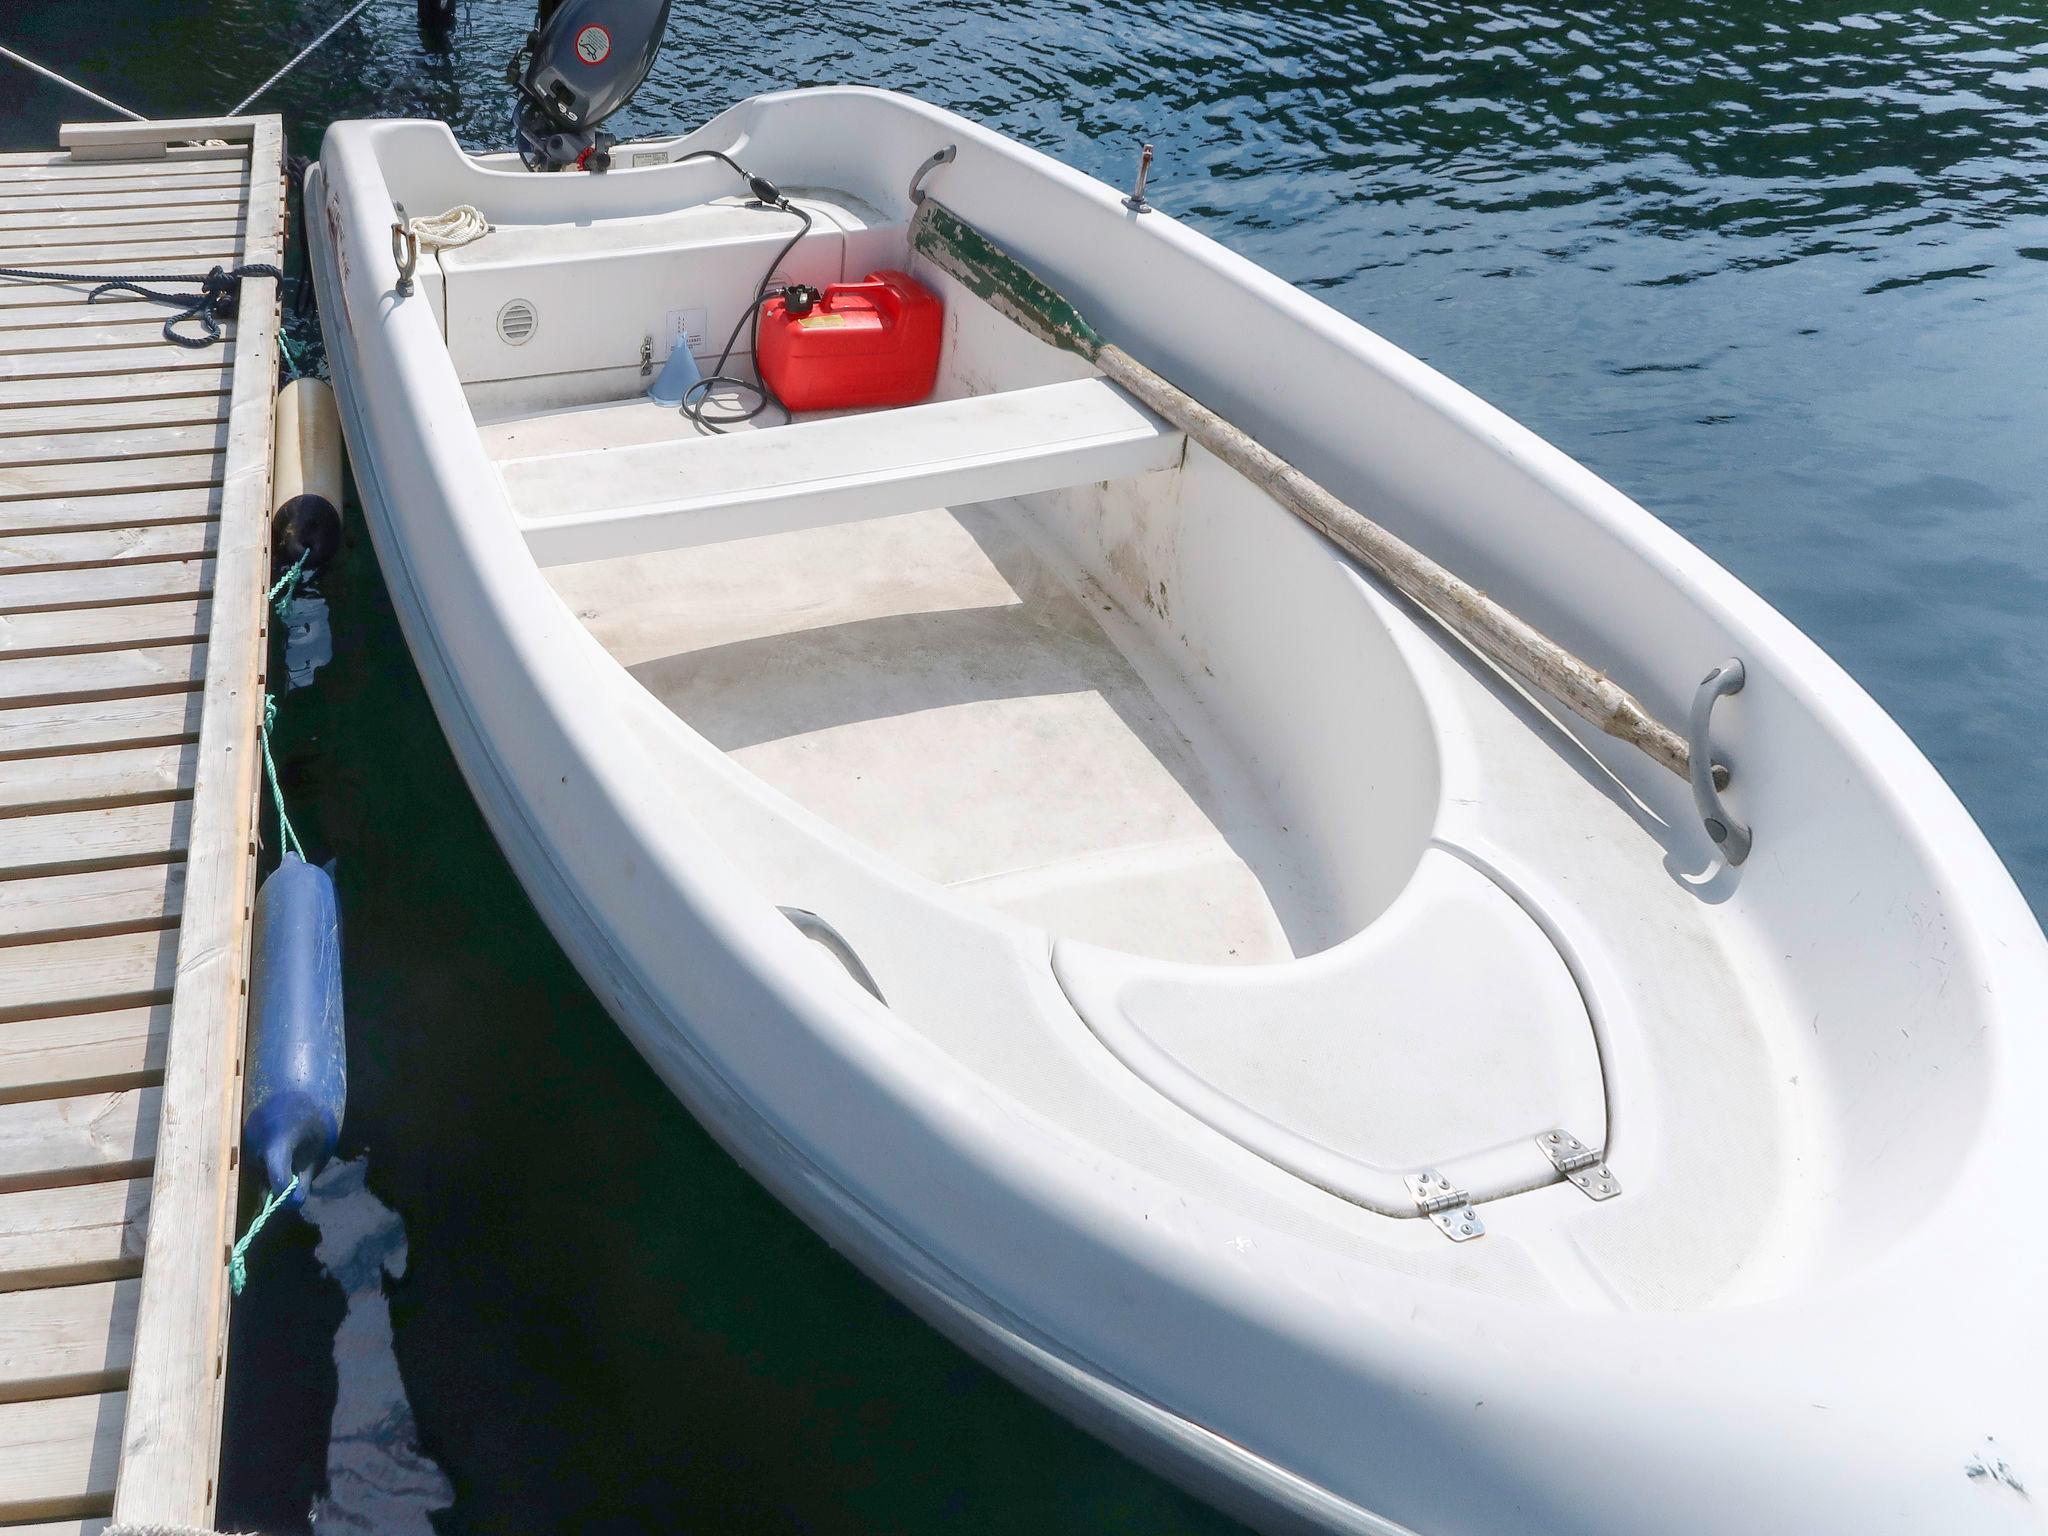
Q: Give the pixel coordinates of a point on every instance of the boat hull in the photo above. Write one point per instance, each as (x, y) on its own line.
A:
(1156, 1336)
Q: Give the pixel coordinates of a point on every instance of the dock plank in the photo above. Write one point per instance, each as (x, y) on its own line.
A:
(171, 472)
(29, 591)
(61, 630)
(30, 239)
(66, 1341)
(72, 1054)
(149, 351)
(129, 775)
(49, 907)
(23, 293)
(101, 725)
(131, 509)
(62, 165)
(67, 842)
(28, 680)
(111, 388)
(118, 970)
(84, 211)
(26, 202)
(28, 199)
(135, 441)
(98, 548)
(110, 310)
(115, 183)
(49, 1143)
(60, 1458)
(73, 1235)
(86, 333)
(95, 179)
(91, 416)
(183, 258)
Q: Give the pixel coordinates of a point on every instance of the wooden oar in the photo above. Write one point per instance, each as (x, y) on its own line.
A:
(1518, 648)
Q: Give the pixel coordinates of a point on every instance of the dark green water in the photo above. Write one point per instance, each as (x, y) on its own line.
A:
(1778, 271)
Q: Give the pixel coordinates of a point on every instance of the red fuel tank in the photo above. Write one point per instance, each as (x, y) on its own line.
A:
(874, 342)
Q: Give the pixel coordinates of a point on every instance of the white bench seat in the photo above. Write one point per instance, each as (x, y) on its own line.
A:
(601, 503)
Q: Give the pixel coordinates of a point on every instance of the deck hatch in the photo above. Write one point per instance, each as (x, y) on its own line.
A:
(1413, 1069)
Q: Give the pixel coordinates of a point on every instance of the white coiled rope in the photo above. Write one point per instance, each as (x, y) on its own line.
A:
(445, 231)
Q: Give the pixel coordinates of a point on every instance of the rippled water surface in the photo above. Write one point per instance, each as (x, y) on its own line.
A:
(1778, 271)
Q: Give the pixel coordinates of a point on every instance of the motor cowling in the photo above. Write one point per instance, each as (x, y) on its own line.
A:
(583, 63)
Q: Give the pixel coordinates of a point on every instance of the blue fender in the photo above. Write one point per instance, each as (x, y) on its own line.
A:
(298, 1051)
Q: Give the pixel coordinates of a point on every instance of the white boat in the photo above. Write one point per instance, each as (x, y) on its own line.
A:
(1216, 997)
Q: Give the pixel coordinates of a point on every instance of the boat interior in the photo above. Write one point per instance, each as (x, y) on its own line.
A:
(882, 613)
(1311, 873)
(860, 607)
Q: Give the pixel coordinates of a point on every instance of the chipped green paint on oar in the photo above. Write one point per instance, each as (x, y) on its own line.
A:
(998, 279)
(1521, 650)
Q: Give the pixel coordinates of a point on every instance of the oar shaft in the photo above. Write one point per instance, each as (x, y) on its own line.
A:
(1515, 646)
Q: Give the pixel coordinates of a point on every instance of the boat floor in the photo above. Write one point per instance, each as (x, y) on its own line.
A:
(933, 686)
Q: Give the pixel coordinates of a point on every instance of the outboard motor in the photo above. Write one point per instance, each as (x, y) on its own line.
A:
(581, 63)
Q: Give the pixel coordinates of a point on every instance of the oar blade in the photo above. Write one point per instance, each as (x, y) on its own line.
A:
(998, 279)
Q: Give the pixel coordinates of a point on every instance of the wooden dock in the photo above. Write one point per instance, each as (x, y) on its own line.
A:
(134, 511)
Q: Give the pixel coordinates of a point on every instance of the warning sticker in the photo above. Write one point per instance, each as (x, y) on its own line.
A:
(821, 322)
(593, 44)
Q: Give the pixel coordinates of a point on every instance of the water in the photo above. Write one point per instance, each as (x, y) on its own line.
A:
(1778, 271)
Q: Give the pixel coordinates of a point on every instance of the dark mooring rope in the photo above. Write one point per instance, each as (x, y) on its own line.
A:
(220, 291)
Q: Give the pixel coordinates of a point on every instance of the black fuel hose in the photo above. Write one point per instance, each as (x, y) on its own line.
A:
(698, 395)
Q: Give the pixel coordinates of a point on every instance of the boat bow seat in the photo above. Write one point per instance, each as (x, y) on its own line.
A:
(1448, 1035)
(688, 489)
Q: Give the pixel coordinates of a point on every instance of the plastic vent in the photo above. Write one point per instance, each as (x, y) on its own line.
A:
(517, 322)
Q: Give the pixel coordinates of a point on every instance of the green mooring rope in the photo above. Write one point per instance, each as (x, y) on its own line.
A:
(280, 597)
(288, 584)
(285, 834)
(238, 1269)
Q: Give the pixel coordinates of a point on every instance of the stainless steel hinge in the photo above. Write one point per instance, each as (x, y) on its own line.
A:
(1585, 1166)
(1445, 1204)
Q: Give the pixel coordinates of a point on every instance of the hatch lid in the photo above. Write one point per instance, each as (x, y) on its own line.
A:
(1445, 1039)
